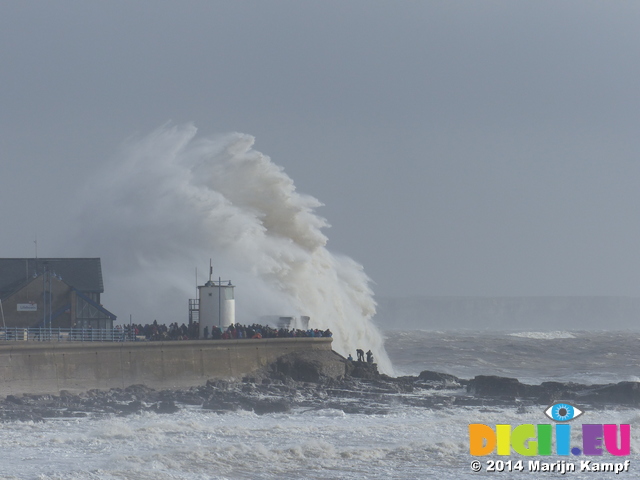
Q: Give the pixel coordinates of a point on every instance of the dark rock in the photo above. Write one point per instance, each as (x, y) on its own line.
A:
(249, 388)
(14, 399)
(368, 371)
(428, 375)
(34, 398)
(623, 393)
(138, 389)
(131, 407)
(50, 413)
(494, 386)
(218, 384)
(164, 407)
(310, 366)
(552, 392)
(188, 398)
(299, 369)
(262, 407)
(218, 406)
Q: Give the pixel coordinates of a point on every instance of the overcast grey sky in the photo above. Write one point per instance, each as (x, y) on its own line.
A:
(459, 147)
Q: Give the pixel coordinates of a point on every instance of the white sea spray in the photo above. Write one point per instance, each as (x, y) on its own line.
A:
(171, 201)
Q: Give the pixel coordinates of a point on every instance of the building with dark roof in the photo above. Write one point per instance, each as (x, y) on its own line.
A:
(56, 292)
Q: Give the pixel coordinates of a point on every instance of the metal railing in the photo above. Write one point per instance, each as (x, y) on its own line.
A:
(68, 335)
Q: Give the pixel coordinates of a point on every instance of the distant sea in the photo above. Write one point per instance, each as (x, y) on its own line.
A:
(407, 443)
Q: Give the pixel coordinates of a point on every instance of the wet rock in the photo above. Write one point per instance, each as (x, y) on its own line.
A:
(262, 407)
(50, 413)
(218, 384)
(552, 392)
(188, 398)
(368, 371)
(14, 399)
(218, 406)
(248, 389)
(428, 375)
(623, 393)
(312, 366)
(139, 390)
(134, 406)
(494, 386)
(166, 406)
(30, 417)
(299, 369)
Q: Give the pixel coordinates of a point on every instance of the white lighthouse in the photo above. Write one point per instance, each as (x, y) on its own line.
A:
(217, 305)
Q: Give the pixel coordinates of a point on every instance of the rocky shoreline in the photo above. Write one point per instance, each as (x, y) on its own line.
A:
(314, 382)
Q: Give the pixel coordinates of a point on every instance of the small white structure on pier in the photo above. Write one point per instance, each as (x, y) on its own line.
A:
(217, 305)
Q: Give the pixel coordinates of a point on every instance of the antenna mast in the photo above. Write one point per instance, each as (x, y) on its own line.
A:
(4, 325)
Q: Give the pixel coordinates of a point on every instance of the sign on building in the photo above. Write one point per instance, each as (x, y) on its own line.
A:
(27, 307)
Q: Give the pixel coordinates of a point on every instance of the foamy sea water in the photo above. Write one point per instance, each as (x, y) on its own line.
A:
(407, 443)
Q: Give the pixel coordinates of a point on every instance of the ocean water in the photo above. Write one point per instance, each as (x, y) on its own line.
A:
(407, 443)
(532, 357)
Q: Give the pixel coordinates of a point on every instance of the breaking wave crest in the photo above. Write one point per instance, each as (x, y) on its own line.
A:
(170, 201)
(543, 335)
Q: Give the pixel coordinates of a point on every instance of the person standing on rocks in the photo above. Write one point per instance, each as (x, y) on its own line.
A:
(369, 357)
(360, 353)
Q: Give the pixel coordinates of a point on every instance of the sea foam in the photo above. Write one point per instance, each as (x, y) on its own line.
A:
(543, 335)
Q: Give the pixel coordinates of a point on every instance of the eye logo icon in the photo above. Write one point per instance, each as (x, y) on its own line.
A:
(563, 412)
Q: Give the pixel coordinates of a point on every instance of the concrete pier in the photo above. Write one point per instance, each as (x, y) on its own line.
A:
(49, 367)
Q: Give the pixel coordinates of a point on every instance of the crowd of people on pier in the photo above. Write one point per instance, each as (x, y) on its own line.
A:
(161, 332)
(261, 331)
(157, 331)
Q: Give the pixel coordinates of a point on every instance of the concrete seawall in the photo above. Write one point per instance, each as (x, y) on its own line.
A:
(43, 367)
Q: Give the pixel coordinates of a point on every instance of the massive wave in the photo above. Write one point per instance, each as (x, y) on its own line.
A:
(170, 201)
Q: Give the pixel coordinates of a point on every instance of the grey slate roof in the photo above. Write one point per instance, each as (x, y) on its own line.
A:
(85, 274)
